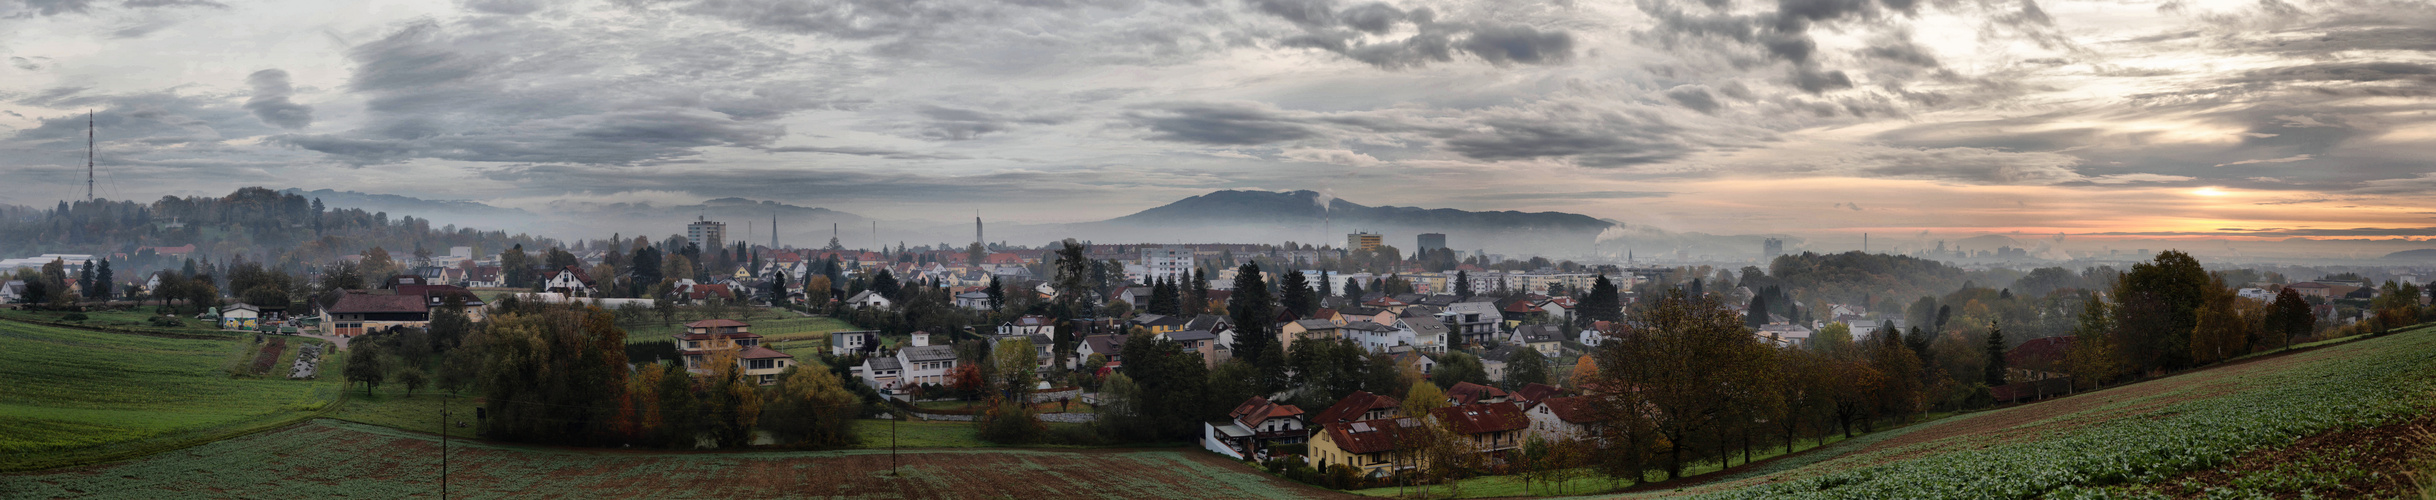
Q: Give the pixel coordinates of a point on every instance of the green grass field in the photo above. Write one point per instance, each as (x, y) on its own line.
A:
(136, 319)
(330, 458)
(2119, 442)
(75, 395)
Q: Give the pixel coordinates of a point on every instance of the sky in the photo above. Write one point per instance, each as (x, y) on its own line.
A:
(2236, 119)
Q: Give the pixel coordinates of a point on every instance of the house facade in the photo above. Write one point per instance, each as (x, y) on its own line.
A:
(1372, 447)
(1251, 427)
(706, 340)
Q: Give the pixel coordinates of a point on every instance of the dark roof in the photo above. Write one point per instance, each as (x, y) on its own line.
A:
(1316, 324)
(928, 353)
(1535, 334)
(1537, 392)
(1361, 311)
(358, 303)
(1464, 393)
(1191, 335)
(1258, 409)
(1353, 406)
(1110, 345)
(1369, 436)
(884, 363)
(1574, 409)
(1475, 419)
(1158, 320)
(1208, 322)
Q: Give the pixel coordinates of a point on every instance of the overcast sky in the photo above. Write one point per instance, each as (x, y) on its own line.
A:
(1820, 117)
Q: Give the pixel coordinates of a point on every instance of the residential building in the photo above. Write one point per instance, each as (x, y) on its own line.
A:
(358, 312)
(1361, 405)
(1030, 324)
(1372, 447)
(1362, 241)
(709, 235)
(926, 364)
(1467, 393)
(1166, 262)
(1160, 324)
(572, 281)
(1490, 428)
(1376, 337)
(1299, 330)
(1472, 322)
(1251, 427)
(1547, 339)
(1428, 333)
(707, 340)
(869, 299)
(844, 343)
(1559, 419)
(1198, 342)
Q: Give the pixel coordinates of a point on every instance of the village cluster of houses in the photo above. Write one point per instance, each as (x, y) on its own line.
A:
(1372, 434)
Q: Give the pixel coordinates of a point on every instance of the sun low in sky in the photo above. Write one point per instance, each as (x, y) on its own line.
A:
(2255, 119)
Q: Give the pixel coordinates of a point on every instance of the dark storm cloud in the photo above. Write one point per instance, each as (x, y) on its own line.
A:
(57, 7)
(1518, 44)
(1228, 124)
(1812, 80)
(789, 183)
(1345, 32)
(1615, 138)
(1696, 97)
(957, 124)
(510, 92)
(507, 7)
(270, 101)
(872, 152)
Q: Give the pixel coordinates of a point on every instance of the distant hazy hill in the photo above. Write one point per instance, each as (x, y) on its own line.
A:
(1302, 217)
(2420, 254)
(440, 212)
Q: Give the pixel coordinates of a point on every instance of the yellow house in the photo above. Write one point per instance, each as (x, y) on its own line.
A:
(1370, 446)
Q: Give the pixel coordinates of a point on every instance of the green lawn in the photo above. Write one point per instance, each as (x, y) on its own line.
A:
(75, 396)
(135, 319)
(390, 406)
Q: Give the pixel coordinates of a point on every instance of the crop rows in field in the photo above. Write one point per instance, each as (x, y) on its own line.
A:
(77, 393)
(2141, 436)
(269, 355)
(328, 458)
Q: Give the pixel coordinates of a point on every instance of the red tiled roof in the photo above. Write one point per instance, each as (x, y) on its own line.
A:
(1464, 393)
(1575, 409)
(1369, 436)
(1353, 406)
(2040, 353)
(357, 303)
(1537, 392)
(1258, 409)
(1475, 419)
(580, 275)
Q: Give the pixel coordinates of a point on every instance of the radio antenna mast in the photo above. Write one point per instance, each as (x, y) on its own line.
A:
(88, 156)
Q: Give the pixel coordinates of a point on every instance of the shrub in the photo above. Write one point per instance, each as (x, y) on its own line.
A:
(74, 317)
(166, 322)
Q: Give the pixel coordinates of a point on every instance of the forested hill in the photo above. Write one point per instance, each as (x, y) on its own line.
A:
(257, 224)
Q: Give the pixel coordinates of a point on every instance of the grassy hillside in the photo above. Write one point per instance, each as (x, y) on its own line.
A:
(2126, 441)
(329, 458)
(75, 395)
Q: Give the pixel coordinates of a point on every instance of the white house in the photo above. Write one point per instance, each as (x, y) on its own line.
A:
(12, 291)
(926, 364)
(1558, 419)
(571, 281)
(1377, 337)
(870, 299)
